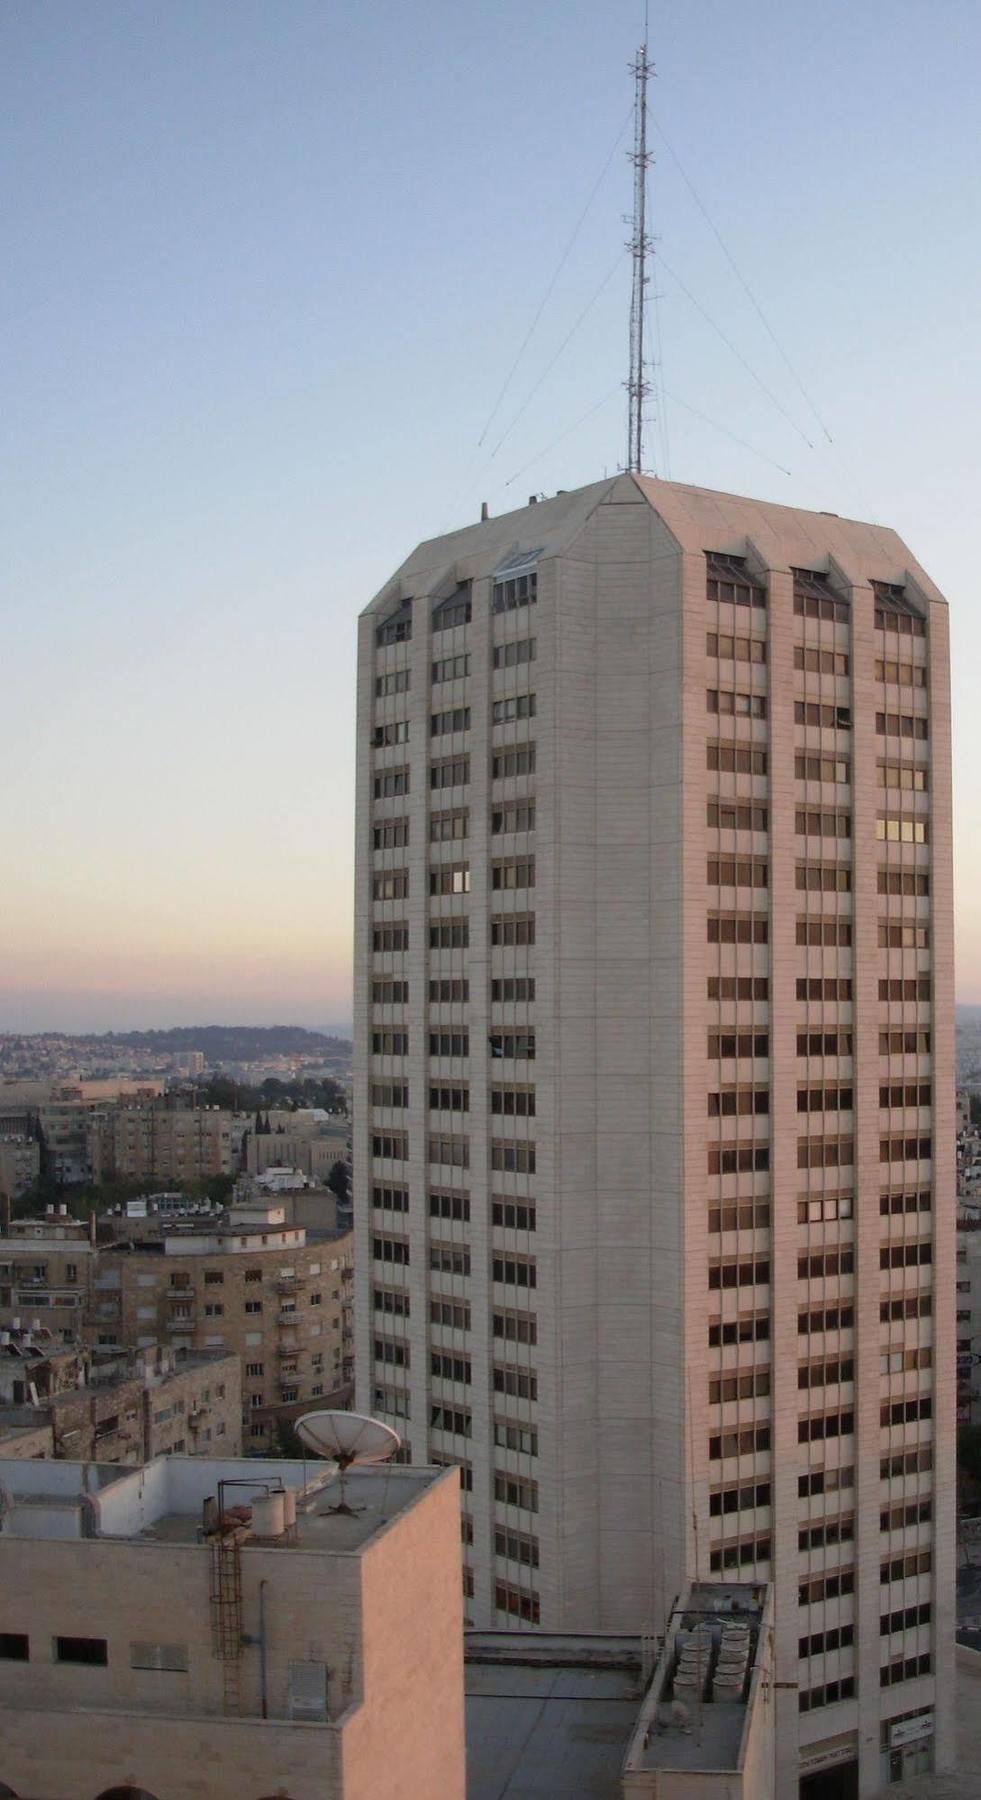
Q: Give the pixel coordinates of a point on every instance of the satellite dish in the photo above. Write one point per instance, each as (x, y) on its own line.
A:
(348, 1439)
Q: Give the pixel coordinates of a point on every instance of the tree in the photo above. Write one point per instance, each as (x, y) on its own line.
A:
(339, 1182)
(289, 1442)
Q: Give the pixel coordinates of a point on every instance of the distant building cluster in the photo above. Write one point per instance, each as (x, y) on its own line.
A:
(266, 1283)
(80, 1133)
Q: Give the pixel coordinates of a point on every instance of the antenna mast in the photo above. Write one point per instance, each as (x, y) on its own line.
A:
(638, 387)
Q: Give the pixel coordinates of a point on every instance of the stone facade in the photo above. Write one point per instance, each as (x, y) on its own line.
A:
(653, 1094)
(282, 1306)
(373, 1606)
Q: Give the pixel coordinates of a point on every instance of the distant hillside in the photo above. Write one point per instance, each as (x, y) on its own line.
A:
(230, 1043)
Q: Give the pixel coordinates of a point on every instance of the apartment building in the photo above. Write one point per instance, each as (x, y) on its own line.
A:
(45, 1273)
(251, 1285)
(311, 1142)
(20, 1163)
(654, 1100)
(120, 1406)
(211, 1626)
(155, 1141)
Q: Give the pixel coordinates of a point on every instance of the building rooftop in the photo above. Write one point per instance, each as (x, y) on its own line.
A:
(695, 1713)
(549, 1716)
(164, 1501)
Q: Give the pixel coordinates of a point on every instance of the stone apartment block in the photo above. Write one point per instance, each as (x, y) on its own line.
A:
(298, 1652)
(654, 1079)
(20, 1164)
(46, 1274)
(158, 1142)
(252, 1286)
(293, 1142)
(124, 1408)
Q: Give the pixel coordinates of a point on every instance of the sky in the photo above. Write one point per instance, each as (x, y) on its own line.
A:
(266, 269)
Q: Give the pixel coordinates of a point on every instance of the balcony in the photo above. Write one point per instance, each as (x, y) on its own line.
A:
(180, 1324)
(288, 1317)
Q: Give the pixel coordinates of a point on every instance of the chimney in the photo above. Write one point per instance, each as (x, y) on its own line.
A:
(532, 499)
(484, 511)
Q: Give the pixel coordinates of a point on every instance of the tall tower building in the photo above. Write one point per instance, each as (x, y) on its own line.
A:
(654, 1099)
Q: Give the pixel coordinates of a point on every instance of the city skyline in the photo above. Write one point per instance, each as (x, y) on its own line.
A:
(209, 379)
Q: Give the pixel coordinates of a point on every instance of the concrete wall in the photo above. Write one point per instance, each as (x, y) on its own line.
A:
(385, 1621)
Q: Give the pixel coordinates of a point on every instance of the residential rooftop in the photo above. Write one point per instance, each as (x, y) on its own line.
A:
(696, 1712)
(164, 1501)
(549, 1715)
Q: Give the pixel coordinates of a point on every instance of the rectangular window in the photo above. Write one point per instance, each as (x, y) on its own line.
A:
(516, 1158)
(447, 989)
(730, 705)
(451, 668)
(514, 1044)
(15, 1646)
(390, 938)
(390, 783)
(739, 759)
(513, 1215)
(81, 1650)
(735, 649)
(902, 725)
(390, 884)
(393, 834)
(513, 988)
(449, 934)
(519, 761)
(447, 827)
(451, 771)
(519, 816)
(165, 1657)
(395, 682)
(510, 656)
(514, 706)
(820, 662)
(389, 993)
(396, 731)
(513, 591)
(450, 878)
(745, 871)
(456, 718)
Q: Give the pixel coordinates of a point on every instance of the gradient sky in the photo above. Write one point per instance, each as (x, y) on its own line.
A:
(265, 269)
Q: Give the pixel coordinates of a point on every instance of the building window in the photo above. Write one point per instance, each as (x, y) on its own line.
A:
(81, 1650)
(15, 1646)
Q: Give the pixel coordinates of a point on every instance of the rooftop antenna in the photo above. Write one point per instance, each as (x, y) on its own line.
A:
(347, 1438)
(641, 245)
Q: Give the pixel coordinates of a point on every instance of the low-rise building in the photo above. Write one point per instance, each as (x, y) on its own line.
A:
(310, 1141)
(20, 1163)
(45, 1274)
(158, 1642)
(124, 1407)
(158, 1141)
(250, 1284)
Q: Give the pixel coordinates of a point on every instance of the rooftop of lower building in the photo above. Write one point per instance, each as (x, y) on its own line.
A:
(179, 1500)
(549, 1715)
(696, 1711)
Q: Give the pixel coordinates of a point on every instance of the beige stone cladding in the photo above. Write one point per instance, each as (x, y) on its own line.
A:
(348, 1683)
(280, 1310)
(46, 1277)
(158, 1142)
(27, 1442)
(653, 1078)
(193, 1407)
(20, 1164)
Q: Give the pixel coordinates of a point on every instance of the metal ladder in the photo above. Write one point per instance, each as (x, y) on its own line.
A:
(226, 1615)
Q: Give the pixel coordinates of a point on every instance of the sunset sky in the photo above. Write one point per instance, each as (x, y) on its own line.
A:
(266, 268)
